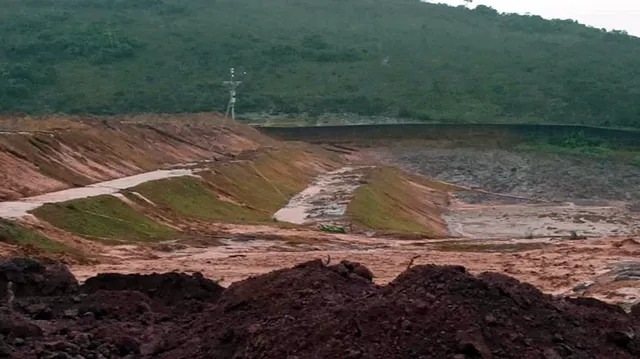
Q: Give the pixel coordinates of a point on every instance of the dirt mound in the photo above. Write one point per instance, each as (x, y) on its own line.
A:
(168, 288)
(32, 278)
(428, 312)
(316, 310)
(272, 314)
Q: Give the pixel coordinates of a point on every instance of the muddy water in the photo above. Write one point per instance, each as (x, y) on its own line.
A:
(17, 209)
(540, 220)
(326, 199)
(556, 268)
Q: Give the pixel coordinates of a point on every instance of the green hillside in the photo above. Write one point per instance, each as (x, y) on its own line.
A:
(394, 57)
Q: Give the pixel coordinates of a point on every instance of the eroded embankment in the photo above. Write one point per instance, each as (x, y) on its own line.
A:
(396, 202)
(246, 190)
(22, 207)
(49, 154)
(313, 310)
(380, 200)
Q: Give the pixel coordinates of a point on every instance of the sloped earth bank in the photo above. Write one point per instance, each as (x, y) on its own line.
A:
(326, 199)
(41, 155)
(18, 209)
(313, 310)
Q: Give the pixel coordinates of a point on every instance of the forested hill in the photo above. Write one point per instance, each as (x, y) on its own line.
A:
(426, 61)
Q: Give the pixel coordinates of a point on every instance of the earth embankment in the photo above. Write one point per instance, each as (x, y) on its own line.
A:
(41, 155)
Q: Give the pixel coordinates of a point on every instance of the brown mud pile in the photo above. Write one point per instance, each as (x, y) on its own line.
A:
(316, 311)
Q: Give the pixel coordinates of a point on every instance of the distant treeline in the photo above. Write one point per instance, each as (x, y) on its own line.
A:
(402, 58)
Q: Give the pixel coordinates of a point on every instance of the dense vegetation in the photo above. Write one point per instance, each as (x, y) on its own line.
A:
(398, 57)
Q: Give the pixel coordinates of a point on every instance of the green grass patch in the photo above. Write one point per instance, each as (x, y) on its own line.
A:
(266, 183)
(245, 184)
(13, 233)
(105, 218)
(291, 168)
(249, 190)
(189, 197)
(579, 144)
(386, 203)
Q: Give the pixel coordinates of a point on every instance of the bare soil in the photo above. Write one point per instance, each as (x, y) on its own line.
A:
(42, 155)
(564, 224)
(313, 310)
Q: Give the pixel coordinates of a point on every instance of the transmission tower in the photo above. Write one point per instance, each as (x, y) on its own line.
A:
(233, 84)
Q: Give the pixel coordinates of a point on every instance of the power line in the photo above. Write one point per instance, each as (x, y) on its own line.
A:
(233, 84)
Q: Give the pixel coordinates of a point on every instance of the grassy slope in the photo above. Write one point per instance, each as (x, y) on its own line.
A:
(247, 191)
(582, 147)
(13, 233)
(104, 218)
(389, 202)
(189, 197)
(400, 57)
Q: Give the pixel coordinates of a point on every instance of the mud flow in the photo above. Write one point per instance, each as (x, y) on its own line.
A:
(326, 199)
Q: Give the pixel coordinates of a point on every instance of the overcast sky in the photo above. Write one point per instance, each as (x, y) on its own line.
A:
(608, 14)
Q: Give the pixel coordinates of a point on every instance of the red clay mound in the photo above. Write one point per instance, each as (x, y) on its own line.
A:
(317, 311)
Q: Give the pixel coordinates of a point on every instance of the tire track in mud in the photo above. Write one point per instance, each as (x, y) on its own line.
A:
(326, 199)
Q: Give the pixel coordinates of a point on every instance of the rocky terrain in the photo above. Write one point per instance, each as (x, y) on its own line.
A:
(524, 173)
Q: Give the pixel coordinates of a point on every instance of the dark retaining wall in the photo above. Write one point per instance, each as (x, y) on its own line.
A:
(359, 133)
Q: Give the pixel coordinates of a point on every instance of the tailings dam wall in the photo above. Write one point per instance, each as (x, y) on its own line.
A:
(507, 132)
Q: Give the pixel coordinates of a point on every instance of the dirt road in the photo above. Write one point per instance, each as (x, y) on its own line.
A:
(17, 209)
